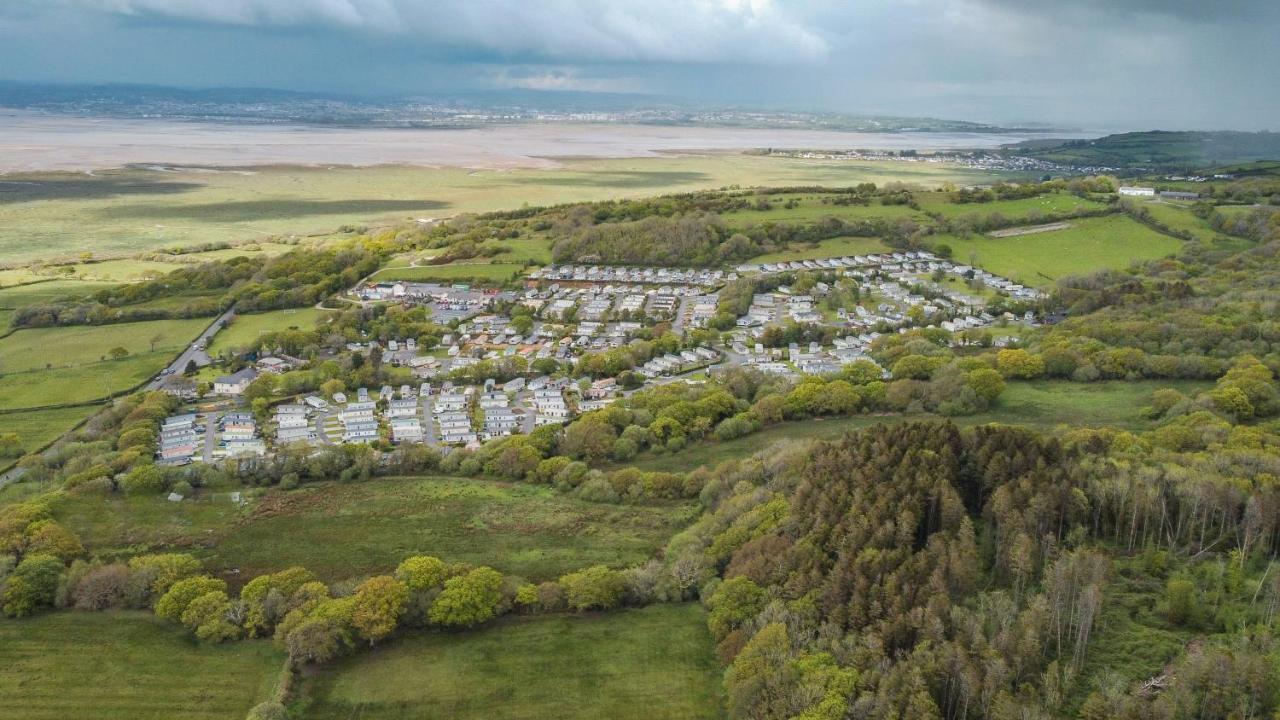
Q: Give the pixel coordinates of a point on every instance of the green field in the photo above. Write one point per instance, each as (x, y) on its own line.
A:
(1042, 258)
(126, 211)
(827, 248)
(86, 383)
(653, 663)
(244, 329)
(52, 366)
(351, 530)
(456, 272)
(41, 348)
(127, 270)
(37, 428)
(47, 291)
(1180, 217)
(126, 666)
(809, 207)
(1051, 203)
(1041, 404)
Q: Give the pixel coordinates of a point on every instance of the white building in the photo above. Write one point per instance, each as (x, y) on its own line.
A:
(1138, 191)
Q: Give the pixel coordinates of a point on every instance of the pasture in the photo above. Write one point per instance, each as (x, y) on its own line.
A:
(653, 663)
(127, 666)
(1023, 208)
(80, 384)
(352, 530)
(54, 366)
(826, 248)
(126, 211)
(63, 347)
(47, 291)
(1180, 217)
(1040, 259)
(808, 207)
(481, 273)
(36, 428)
(244, 329)
(1043, 404)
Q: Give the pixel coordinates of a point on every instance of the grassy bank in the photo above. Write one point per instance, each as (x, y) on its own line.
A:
(1043, 404)
(653, 663)
(126, 666)
(349, 530)
(1088, 244)
(60, 214)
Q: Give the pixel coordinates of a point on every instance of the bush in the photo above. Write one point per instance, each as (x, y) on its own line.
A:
(268, 711)
(468, 600)
(595, 588)
(101, 587)
(32, 585)
(145, 480)
(184, 592)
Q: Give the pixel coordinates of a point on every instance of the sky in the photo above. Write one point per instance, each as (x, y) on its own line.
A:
(1093, 64)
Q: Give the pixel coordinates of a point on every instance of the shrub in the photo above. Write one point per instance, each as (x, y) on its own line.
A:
(595, 588)
(32, 585)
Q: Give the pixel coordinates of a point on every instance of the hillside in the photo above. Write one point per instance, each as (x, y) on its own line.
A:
(1158, 150)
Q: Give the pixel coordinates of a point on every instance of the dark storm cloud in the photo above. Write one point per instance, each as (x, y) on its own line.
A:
(1092, 63)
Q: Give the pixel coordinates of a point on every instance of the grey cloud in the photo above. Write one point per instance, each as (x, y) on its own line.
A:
(685, 31)
(1090, 63)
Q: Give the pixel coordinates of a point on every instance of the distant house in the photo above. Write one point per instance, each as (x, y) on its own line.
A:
(1138, 191)
(1175, 195)
(235, 383)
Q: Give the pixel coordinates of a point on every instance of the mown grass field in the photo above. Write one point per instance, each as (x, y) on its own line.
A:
(825, 249)
(35, 428)
(1040, 259)
(53, 366)
(1046, 204)
(1041, 404)
(1180, 217)
(351, 530)
(455, 272)
(125, 270)
(62, 347)
(131, 210)
(810, 206)
(85, 383)
(126, 666)
(47, 291)
(653, 663)
(244, 329)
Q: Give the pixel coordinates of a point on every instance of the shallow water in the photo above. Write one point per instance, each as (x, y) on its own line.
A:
(34, 141)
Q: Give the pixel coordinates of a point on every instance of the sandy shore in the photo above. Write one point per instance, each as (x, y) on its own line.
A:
(37, 142)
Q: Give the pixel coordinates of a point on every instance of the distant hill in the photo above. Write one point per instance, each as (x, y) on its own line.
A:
(1158, 150)
(459, 109)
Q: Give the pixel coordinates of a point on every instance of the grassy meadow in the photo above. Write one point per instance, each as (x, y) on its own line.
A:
(1042, 258)
(127, 666)
(244, 329)
(62, 347)
(126, 211)
(41, 291)
(1049, 203)
(653, 663)
(52, 366)
(453, 273)
(351, 530)
(82, 384)
(1042, 404)
(36, 428)
(825, 249)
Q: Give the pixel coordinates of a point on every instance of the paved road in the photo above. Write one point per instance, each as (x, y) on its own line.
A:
(13, 474)
(193, 351)
(210, 436)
